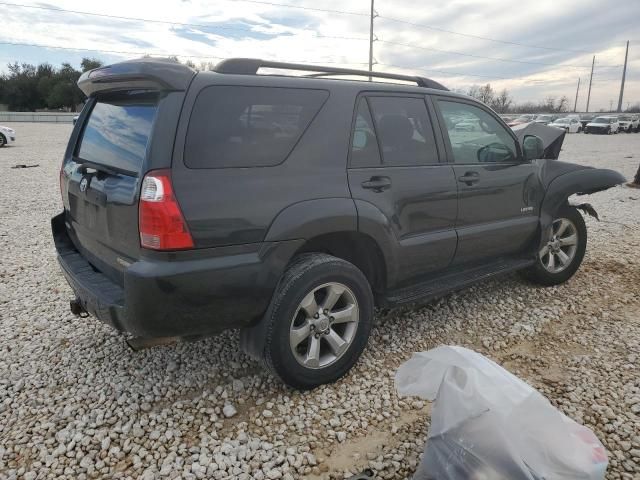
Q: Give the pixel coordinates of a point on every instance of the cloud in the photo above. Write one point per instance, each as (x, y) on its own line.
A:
(233, 28)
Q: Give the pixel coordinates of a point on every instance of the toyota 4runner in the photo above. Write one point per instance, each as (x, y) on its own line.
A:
(289, 206)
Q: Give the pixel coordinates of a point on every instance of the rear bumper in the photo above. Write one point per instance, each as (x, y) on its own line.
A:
(179, 294)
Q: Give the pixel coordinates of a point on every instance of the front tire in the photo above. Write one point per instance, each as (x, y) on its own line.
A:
(563, 252)
(3, 140)
(318, 322)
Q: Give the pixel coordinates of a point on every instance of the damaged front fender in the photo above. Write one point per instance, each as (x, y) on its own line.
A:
(562, 179)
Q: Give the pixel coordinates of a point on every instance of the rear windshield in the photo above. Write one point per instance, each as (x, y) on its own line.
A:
(117, 133)
(234, 126)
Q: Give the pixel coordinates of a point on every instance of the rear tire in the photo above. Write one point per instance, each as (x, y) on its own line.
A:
(3, 140)
(318, 322)
(559, 259)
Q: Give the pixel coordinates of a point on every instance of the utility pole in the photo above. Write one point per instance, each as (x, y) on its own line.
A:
(371, 38)
(624, 74)
(590, 81)
(575, 105)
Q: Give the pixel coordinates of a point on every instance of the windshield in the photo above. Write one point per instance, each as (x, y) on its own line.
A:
(624, 117)
(601, 120)
(117, 133)
(543, 117)
(562, 120)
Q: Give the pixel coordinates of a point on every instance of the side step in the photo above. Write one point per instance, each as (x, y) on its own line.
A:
(442, 285)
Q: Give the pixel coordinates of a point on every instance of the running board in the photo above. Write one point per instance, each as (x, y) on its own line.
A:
(443, 285)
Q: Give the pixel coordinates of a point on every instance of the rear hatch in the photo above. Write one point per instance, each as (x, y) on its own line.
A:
(100, 180)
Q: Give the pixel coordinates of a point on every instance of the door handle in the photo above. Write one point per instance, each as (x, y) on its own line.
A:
(469, 178)
(377, 184)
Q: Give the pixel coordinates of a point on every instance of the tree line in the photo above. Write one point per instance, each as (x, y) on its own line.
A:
(27, 87)
(502, 101)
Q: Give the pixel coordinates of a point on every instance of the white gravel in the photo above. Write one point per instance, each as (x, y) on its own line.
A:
(76, 403)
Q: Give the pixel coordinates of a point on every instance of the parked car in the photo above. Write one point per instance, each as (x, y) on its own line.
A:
(521, 119)
(571, 125)
(605, 124)
(7, 136)
(628, 123)
(544, 119)
(584, 119)
(182, 218)
(75, 119)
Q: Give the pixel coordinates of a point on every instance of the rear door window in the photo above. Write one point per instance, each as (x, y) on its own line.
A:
(233, 126)
(117, 133)
(364, 145)
(404, 130)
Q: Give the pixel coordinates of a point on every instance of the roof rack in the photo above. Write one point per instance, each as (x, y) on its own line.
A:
(250, 66)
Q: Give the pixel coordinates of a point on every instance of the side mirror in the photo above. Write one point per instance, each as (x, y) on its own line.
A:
(533, 147)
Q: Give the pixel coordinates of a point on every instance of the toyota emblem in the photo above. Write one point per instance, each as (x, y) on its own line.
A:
(84, 183)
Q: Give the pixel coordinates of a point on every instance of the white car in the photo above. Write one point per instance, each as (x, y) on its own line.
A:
(628, 123)
(7, 136)
(570, 124)
(606, 124)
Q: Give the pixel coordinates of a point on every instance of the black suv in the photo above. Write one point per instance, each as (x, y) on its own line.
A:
(288, 206)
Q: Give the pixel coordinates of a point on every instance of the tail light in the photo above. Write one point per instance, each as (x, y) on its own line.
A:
(161, 223)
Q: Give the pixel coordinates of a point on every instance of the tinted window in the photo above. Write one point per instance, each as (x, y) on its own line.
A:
(475, 135)
(117, 133)
(404, 130)
(364, 146)
(248, 126)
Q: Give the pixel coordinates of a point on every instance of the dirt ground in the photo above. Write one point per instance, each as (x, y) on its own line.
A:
(76, 403)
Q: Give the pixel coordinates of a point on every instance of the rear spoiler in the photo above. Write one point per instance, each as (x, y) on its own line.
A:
(142, 73)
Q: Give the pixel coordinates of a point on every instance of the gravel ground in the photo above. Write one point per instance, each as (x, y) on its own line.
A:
(76, 403)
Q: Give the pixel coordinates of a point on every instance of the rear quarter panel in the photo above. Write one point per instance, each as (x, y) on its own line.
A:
(226, 206)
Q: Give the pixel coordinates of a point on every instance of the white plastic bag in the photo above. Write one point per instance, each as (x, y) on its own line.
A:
(487, 424)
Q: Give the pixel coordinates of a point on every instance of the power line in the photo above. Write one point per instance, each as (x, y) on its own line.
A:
(158, 54)
(163, 22)
(107, 51)
(317, 35)
(301, 7)
(498, 59)
(479, 37)
(444, 72)
(154, 54)
(213, 27)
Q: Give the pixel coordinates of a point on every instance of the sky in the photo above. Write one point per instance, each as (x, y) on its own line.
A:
(534, 49)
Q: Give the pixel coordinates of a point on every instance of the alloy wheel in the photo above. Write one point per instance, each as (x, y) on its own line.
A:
(559, 251)
(324, 325)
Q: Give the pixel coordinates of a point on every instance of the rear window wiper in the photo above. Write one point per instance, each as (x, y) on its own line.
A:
(105, 168)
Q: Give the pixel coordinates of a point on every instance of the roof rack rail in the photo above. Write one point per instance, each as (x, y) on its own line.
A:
(250, 66)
